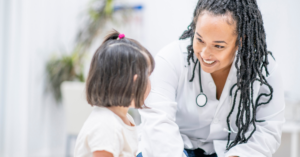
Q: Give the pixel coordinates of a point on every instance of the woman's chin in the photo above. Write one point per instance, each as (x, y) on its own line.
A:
(208, 70)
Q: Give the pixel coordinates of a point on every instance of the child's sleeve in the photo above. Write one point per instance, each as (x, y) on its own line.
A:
(106, 137)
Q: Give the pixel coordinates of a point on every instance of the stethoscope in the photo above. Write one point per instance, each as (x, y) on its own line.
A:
(201, 99)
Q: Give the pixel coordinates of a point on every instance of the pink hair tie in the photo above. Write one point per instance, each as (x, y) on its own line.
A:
(121, 36)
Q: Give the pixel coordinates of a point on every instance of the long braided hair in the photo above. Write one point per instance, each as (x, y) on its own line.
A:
(251, 60)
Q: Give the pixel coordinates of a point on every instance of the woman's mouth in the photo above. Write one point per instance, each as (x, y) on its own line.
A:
(208, 62)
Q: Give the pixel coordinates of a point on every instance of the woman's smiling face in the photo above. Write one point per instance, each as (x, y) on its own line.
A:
(215, 41)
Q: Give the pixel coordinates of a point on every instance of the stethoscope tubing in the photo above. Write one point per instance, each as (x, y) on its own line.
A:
(201, 90)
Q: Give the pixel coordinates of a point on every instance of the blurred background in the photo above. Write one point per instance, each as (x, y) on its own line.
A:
(46, 47)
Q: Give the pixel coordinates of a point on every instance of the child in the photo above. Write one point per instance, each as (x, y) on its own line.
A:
(118, 79)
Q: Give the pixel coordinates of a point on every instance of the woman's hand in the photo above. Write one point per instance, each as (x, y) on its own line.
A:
(102, 154)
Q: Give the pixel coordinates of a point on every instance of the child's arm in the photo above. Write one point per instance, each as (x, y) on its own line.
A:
(102, 154)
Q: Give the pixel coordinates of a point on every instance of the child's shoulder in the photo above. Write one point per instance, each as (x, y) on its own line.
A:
(103, 115)
(102, 118)
(101, 131)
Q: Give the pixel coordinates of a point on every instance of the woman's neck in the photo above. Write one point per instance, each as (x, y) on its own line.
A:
(220, 78)
(222, 73)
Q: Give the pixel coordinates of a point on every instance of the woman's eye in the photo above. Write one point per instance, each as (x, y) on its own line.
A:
(200, 40)
(219, 47)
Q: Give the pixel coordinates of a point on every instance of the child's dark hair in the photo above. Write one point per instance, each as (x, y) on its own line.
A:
(252, 59)
(111, 81)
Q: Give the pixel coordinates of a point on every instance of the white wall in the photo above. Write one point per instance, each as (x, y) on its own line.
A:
(165, 21)
(31, 123)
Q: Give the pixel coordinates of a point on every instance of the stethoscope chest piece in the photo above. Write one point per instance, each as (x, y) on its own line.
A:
(201, 100)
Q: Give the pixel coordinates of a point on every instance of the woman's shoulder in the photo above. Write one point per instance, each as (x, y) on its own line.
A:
(175, 52)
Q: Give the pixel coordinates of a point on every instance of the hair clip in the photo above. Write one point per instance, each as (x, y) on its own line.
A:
(121, 36)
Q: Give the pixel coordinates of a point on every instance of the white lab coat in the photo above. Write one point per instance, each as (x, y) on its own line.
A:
(175, 122)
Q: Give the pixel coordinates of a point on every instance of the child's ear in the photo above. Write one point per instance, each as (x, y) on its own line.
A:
(135, 77)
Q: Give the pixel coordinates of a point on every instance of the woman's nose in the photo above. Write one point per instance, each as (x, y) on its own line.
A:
(205, 54)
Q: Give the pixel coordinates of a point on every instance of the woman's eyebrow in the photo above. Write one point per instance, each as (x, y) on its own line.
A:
(214, 41)
(198, 34)
(220, 42)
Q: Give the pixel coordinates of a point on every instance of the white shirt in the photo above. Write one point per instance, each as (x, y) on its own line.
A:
(104, 130)
(175, 122)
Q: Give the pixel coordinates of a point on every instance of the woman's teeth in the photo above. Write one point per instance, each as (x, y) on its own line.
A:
(208, 62)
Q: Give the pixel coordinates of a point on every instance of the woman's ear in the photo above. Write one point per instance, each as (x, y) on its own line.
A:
(135, 77)
(237, 46)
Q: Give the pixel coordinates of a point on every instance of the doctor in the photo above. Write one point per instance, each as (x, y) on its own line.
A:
(216, 92)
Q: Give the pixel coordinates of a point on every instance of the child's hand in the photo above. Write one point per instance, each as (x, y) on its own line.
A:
(102, 154)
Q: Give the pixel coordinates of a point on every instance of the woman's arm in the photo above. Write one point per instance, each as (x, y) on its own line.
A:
(102, 154)
(160, 134)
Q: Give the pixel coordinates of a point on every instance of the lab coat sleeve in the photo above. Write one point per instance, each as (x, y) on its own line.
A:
(267, 137)
(159, 134)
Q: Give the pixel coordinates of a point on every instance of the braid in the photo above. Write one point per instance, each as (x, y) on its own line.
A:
(251, 60)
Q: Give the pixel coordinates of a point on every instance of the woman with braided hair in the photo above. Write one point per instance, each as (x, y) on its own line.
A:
(217, 91)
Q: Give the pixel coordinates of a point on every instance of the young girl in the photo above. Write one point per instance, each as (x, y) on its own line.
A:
(118, 79)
